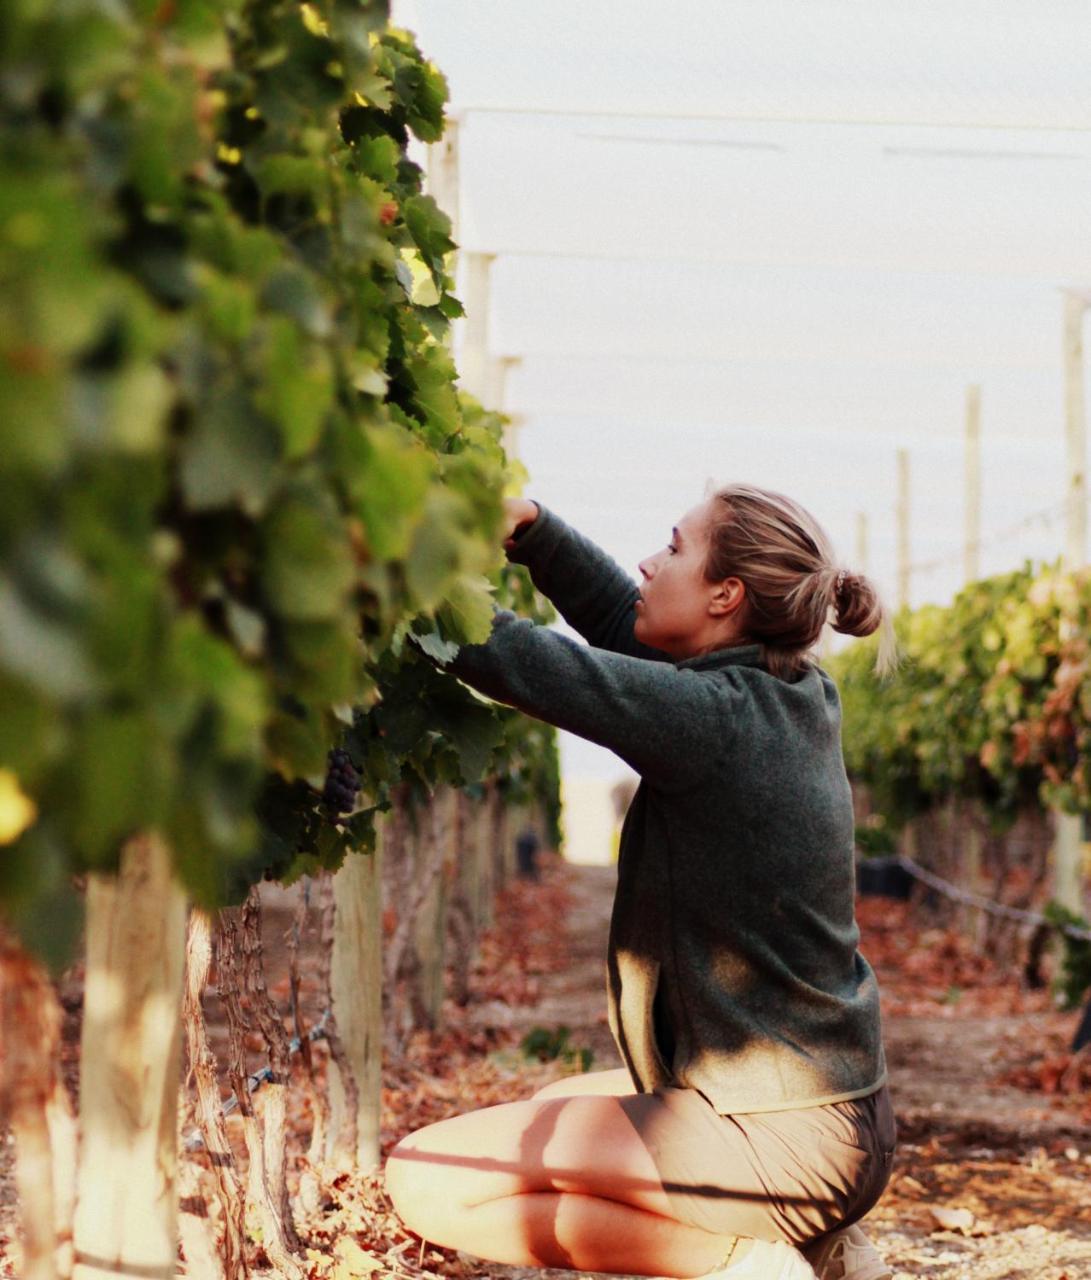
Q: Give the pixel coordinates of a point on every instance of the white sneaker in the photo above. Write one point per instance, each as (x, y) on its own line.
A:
(767, 1260)
(848, 1255)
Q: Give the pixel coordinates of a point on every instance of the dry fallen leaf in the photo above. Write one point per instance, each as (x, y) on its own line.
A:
(352, 1261)
(952, 1219)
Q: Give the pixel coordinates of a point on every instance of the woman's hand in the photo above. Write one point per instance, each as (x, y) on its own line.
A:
(518, 513)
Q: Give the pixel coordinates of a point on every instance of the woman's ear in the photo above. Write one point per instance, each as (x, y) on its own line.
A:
(728, 598)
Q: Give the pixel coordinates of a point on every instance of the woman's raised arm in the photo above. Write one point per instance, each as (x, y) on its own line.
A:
(593, 593)
(669, 723)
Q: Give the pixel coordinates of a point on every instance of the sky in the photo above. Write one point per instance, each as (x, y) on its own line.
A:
(777, 241)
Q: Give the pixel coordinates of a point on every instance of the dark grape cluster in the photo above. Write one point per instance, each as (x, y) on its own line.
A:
(342, 783)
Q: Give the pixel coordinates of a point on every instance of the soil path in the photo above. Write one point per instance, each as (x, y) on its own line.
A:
(1016, 1165)
(1013, 1167)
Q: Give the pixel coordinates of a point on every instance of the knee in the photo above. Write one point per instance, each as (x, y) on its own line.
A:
(403, 1182)
(422, 1196)
(558, 1089)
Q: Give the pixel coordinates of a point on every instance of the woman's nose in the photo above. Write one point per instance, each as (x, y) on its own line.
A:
(644, 567)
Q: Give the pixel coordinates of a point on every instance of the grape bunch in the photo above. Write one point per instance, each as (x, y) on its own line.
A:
(342, 783)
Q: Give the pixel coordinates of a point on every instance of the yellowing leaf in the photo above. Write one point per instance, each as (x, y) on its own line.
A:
(17, 810)
(313, 21)
(420, 286)
(469, 605)
(142, 397)
(352, 1261)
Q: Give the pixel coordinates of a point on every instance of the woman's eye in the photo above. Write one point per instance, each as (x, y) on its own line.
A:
(672, 548)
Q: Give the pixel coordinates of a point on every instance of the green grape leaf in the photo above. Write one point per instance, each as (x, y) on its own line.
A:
(435, 646)
(468, 610)
(231, 455)
(41, 651)
(389, 489)
(430, 228)
(307, 572)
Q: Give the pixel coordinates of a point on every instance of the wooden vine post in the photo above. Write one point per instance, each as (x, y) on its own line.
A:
(462, 928)
(1068, 844)
(35, 1104)
(435, 868)
(479, 853)
(356, 993)
(970, 828)
(901, 513)
(503, 857)
(126, 1209)
(230, 1263)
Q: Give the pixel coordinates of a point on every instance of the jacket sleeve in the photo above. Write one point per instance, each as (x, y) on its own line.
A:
(594, 595)
(667, 722)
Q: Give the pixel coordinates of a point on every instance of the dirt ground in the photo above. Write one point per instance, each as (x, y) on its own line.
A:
(993, 1177)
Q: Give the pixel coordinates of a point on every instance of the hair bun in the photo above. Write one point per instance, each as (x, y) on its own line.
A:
(857, 606)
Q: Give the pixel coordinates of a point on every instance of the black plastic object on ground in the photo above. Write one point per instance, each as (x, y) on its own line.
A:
(1083, 1031)
(883, 878)
(526, 853)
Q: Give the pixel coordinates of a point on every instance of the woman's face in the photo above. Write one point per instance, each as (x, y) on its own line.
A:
(673, 613)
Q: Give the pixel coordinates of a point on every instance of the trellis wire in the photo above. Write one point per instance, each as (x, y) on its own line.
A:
(195, 1139)
(1046, 518)
(987, 904)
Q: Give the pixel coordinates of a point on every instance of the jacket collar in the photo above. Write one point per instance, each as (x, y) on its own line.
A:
(739, 655)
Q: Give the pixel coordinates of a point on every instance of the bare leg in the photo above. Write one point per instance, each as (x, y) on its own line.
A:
(604, 1084)
(563, 1182)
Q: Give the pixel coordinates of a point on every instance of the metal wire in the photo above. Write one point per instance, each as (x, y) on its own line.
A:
(195, 1139)
(987, 904)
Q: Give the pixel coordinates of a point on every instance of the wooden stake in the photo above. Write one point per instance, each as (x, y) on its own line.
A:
(965, 816)
(434, 864)
(862, 541)
(202, 1065)
(461, 929)
(341, 1141)
(356, 990)
(484, 879)
(1075, 549)
(1068, 844)
(30, 1090)
(496, 397)
(443, 176)
(126, 1207)
(971, 556)
(474, 347)
(902, 512)
(235, 978)
(309, 1189)
(442, 184)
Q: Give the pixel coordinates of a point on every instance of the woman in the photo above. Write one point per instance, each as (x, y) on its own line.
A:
(751, 1119)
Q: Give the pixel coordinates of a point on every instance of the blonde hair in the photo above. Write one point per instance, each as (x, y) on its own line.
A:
(786, 563)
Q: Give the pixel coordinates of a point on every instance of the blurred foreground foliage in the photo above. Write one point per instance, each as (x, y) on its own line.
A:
(237, 471)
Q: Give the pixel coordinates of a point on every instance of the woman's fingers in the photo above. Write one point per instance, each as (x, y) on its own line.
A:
(517, 513)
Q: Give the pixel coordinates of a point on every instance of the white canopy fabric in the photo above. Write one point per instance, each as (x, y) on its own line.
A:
(939, 62)
(867, 197)
(777, 240)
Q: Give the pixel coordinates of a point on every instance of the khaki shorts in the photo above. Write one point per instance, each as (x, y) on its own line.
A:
(770, 1175)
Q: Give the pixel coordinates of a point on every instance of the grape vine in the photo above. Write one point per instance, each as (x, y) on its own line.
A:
(238, 471)
(992, 702)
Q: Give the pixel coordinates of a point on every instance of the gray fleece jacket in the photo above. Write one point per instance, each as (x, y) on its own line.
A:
(732, 964)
